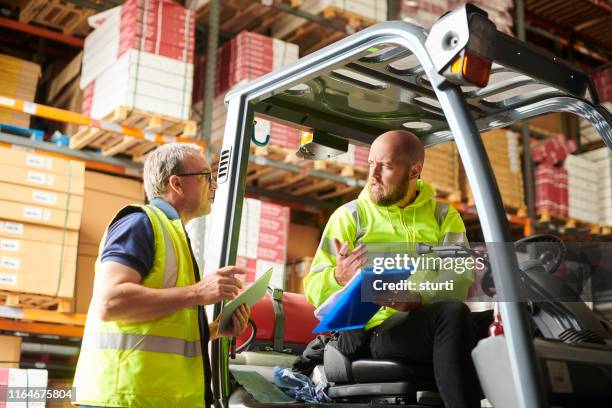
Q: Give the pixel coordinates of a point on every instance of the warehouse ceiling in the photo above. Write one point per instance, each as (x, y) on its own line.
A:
(586, 22)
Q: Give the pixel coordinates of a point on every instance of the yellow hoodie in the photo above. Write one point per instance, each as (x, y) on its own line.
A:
(362, 221)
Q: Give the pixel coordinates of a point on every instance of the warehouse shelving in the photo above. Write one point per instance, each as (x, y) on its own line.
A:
(69, 325)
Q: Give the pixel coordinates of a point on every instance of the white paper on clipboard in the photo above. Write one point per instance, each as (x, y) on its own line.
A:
(250, 296)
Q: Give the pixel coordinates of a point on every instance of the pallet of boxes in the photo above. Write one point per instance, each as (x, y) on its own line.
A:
(137, 71)
(351, 15)
(504, 152)
(602, 158)
(104, 195)
(262, 242)
(18, 80)
(246, 57)
(551, 177)
(40, 217)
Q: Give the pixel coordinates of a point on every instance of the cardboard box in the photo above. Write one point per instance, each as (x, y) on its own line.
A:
(24, 248)
(65, 77)
(39, 197)
(104, 196)
(10, 351)
(39, 215)
(44, 272)
(85, 273)
(41, 179)
(23, 379)
(303, 241)
(42, 163)
(37, 233)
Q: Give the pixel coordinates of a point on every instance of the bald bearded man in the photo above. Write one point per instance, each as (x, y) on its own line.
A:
(432, 327)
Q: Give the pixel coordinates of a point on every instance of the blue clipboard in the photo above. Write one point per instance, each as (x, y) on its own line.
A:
(349, 312)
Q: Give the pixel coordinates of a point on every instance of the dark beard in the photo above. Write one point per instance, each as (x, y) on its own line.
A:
(392, 197)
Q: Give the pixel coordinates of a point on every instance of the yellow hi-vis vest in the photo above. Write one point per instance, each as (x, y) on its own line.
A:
(156, 363)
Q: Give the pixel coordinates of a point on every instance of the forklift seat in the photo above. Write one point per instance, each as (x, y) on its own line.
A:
(370, 379)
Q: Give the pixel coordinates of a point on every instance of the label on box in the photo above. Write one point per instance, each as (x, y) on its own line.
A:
(36, 177)
(8, 279)
(11, 227)
(9, 245)
(10, 263)
(34, 160)
(29, 107)
(44, 197)
(34, 213)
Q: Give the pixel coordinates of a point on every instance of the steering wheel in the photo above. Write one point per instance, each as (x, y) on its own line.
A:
(551, 256)
(550, 249)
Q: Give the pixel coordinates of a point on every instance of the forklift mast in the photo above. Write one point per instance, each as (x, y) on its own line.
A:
(452, 82)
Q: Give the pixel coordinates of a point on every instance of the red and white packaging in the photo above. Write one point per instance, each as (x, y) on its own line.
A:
(562, 194)
(263, 238)
(24, 380)
(552, 150)
(545, 188)
(361, 156)
(144, 81)
(160, 27)
(249, 56)
(603, 83)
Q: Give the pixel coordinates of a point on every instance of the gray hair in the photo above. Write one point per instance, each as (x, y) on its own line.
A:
(163, 162)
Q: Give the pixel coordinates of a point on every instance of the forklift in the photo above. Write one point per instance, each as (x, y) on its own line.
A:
(449, 83)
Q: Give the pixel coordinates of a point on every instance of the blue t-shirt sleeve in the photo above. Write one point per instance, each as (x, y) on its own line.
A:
(129, 241)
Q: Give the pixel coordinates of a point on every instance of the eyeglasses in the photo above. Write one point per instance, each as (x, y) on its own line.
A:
(208, 175)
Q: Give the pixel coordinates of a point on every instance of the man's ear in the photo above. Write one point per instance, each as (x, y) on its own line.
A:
(174, 183)
(415, 170)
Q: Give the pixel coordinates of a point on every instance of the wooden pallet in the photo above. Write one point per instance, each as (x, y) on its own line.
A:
(301, 183)
(57, 14)
(312, 36)
(112, 143)
(33, 301)
(245, 15)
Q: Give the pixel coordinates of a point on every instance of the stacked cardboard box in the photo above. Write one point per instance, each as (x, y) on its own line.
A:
(361, 156)
(18, 79)
(373, 10)
(583, 189)
(552, 150)
(603, 159)
(263, 240)
(104, 196)
(244, 58)
(603, 83)
(24, 380)
(296, 272)
(441, 168)
(140, 56)
(10, 351)
(64, 92)
(588, 134)
(40, 215)
(504, 152)
(427, 12)
(552, 195)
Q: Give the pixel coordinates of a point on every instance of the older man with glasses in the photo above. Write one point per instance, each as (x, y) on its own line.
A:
(146, 336)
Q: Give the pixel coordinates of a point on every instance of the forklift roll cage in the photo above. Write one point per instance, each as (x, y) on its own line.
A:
(390, 76)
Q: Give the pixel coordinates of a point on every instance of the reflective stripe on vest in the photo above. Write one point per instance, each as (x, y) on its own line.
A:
(141, 342)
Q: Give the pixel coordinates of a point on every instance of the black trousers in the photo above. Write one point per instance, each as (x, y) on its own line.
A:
(442, 334)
